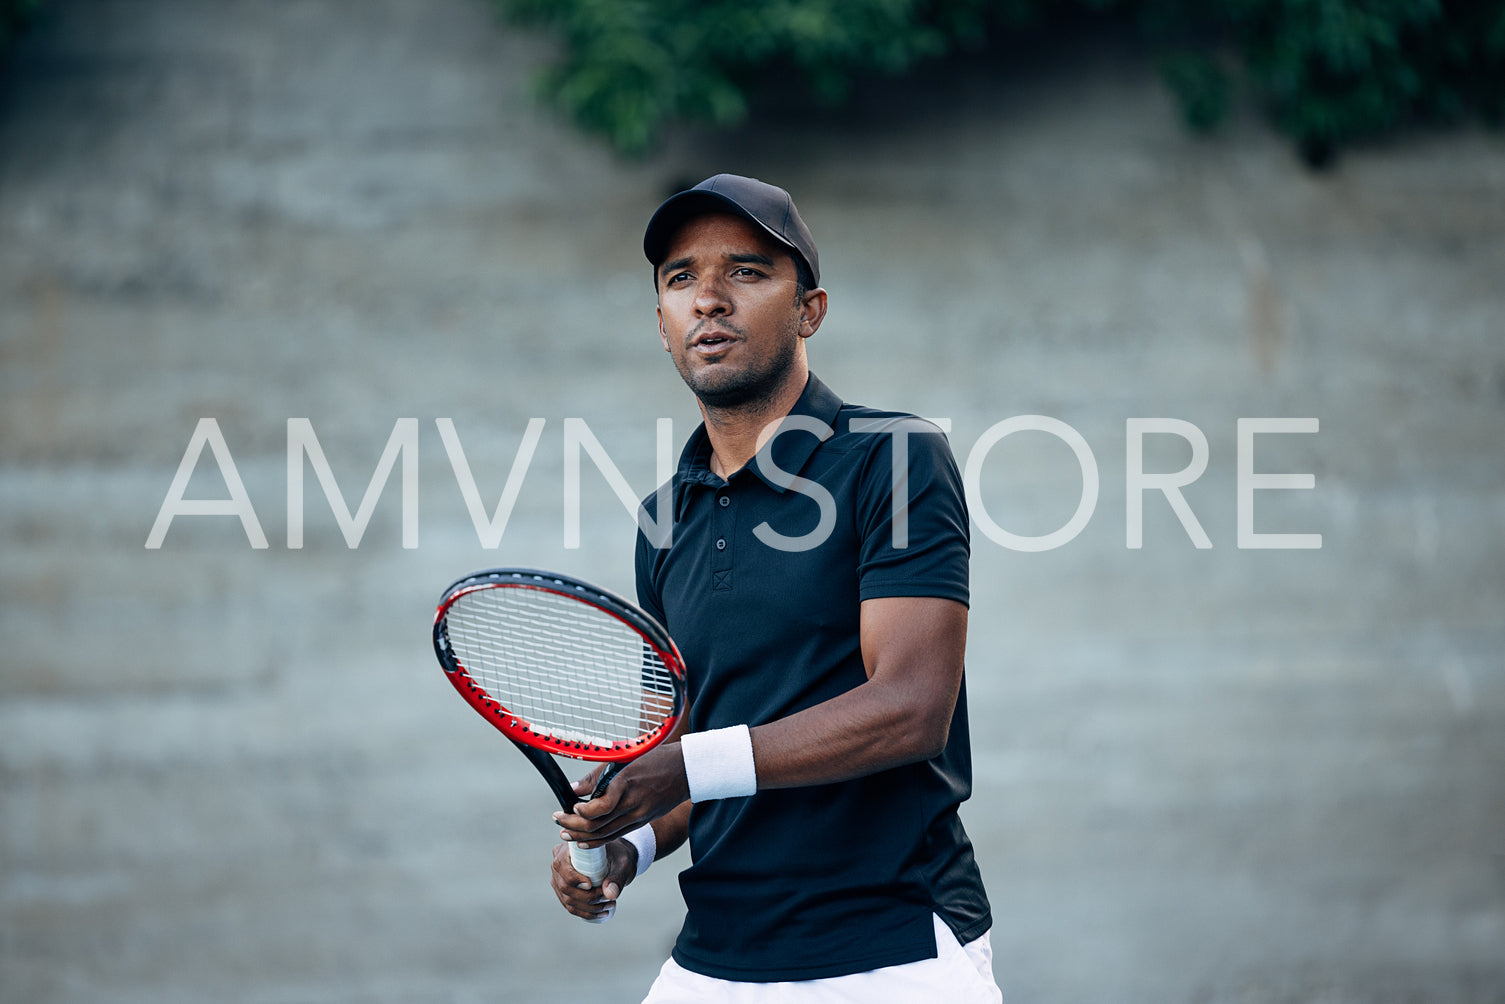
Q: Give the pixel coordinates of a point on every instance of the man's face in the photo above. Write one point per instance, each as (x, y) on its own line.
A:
(727, 311)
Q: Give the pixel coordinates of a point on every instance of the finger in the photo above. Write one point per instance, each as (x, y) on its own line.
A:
(589, 817)
(602, 805)
(573, 826)
(587, 784)
(598, 833)
(565, 876)
(578, 899)
(585, 841)
(562, 876)
(589, 911)
(575, 817)
(573, 900)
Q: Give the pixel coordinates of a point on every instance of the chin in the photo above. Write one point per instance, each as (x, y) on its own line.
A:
(724, 394)
(715, 387)
(725, 384)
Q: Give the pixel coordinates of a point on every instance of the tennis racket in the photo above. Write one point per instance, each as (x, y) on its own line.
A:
(561, 667)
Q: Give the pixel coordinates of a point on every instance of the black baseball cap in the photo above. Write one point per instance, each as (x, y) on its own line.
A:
(769, 206)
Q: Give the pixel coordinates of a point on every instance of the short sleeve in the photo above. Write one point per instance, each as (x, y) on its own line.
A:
(645, 564)
(912, 514)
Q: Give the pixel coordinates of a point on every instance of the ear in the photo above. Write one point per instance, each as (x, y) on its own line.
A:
(663, 336)
(812, 312)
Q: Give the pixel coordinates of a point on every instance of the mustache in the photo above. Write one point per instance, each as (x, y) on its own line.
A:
(700, 328)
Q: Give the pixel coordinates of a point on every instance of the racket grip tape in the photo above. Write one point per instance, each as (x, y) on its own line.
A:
(591, 863)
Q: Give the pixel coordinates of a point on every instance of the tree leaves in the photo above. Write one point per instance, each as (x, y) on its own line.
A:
(1329, 73)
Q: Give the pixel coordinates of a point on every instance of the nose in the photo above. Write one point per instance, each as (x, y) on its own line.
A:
(711, 299)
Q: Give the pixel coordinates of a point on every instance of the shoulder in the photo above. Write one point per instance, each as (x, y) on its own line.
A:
(693, 464)
(861, 419)
(891, 434)
(649, 503)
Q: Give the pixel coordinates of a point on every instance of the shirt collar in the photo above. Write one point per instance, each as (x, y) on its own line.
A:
(789, 450)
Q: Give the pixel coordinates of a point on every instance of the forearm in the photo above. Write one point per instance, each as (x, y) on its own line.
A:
(671, 831)
(866, 730)
(913, 650)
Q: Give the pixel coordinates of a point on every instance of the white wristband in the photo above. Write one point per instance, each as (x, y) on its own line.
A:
(646, 842)
(719, 763)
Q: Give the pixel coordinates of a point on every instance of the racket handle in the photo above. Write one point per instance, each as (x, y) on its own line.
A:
(591, 863)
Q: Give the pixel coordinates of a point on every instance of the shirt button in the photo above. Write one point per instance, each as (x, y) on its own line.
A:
(721, 544)
(725, 501)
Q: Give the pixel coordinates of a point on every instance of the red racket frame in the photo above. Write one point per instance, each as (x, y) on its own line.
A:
(518, 729)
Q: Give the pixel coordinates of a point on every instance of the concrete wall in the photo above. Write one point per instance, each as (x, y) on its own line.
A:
(1220, 775)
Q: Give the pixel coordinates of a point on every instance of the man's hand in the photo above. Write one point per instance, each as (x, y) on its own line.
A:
(574, 890)
(651, 786)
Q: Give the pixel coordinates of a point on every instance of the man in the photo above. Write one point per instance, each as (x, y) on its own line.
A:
(816, 584)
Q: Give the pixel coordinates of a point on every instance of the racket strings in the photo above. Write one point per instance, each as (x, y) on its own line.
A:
(569, 669)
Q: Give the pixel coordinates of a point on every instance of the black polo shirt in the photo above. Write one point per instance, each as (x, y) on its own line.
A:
(761, 589)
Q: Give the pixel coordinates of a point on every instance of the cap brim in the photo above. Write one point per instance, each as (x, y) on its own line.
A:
(687, 205)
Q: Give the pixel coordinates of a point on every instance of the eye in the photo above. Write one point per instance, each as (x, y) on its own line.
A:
(678, 278)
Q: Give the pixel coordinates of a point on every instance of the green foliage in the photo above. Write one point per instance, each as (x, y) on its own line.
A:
(14, 16)
(631, 65)
(1201, 85)
(1328, 72)
(1331, 72)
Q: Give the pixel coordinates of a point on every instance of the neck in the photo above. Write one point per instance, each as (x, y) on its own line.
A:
(736, 434)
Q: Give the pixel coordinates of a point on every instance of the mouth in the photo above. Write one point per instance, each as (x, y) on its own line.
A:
(710, 343)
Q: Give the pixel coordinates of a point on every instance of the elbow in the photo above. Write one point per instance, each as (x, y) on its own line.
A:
(915, 726)
(935, 743)
(923, 739)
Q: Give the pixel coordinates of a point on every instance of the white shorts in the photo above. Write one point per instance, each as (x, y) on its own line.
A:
(957, 975)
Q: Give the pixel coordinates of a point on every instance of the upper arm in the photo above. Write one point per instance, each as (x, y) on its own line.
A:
(913, 649)
(912, 515)
(913, 570)
(645, 560)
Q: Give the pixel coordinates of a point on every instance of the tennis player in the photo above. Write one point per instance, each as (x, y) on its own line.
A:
(817, 584)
